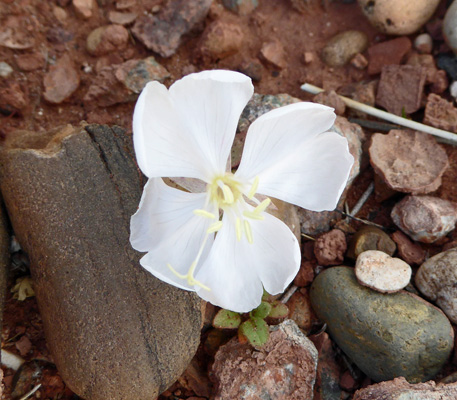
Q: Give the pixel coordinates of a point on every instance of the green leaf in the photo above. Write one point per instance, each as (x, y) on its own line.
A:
(267, 296)
(256, 331)
(226, 319)
(278, 310)
(261, 311)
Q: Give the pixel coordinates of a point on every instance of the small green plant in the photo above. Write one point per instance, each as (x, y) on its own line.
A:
(253, 327)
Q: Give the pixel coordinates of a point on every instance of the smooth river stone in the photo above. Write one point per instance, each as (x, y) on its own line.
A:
(386, 335)
(115, 331)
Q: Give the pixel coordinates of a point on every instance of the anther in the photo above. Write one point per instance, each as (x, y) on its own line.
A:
(204, 213)
(214, 227)
(262, 206)
(254, 188)
(253, 215)
(248, 231)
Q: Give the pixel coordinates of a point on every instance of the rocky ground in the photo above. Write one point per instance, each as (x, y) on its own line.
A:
(375, 298)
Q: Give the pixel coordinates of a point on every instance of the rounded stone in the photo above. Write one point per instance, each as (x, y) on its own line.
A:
(398, 17)
(341, 48)
(386, 336)
(106, 39)
(370, 238)
(423, 43)
(378, 271)
(436, 280)
(450, 26)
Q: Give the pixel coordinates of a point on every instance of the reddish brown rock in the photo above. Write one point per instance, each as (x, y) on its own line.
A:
(359, 61)
(300, 310)
(120, 18)
(347, 382)
(162, 32)
(408, 251)
(84, 8)
(284, 368)
(12, 97)
(273, 53)
(61, 81)
(399, 389)
(425, 218)
(30, 62)
(106, 39)
(408, 161)
(305, 274)
(440, 113)
(329, 248)
(331, 99)
(221, 39)
(400, 88)
(387, 53)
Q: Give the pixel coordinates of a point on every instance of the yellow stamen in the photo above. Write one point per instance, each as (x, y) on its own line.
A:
(248, 231)
(204, 213)
(189, 276)
(228, 194)
(254, 188)
(262, 206)
(239, 231)
(214, 227)
(253, 215)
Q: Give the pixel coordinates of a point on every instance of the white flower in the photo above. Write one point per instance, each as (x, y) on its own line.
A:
(187, 131)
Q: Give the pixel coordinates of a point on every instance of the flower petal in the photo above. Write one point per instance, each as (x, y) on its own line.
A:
(187, 131)
(235, 270)
(272, 137)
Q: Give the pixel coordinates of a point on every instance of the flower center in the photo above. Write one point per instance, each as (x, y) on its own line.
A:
(224, 190)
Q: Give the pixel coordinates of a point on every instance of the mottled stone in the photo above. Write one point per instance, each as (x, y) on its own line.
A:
(425, 218)
(107, 39)
(114, 331)
(330, 247)
(386, 336)
(30, 61)
(221, 39)
(284, 368)
(341, 48)
(61, 81)
(387, 53)
(440, 113)
(410, 252)
(370, 238)
(408, 161)
(436, 279)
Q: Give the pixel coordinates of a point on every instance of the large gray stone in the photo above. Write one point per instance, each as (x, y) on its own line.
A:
(114, 330)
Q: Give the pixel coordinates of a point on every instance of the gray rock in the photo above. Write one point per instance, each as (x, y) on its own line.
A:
(436, 279)
(5, 69)
(386, 336)
(114, 330)
(450, 26)
(341, 48)
(284, 368)
(425, 218)
(107, 39)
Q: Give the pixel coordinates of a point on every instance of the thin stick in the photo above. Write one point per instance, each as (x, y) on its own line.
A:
(452, 137)
(286, 296)
(362, 200)
(29, 394)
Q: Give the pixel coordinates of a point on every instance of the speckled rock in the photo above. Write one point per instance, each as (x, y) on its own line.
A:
(284, 368)
(410, 252)
(425, 218)
(370, 238)
(378, 271)
(440, 113)
(398, 17)
(436, 279)
(341, 48)
(61, 81)
(329, 248)
(450, 27)
(408, 161)
(106, 39)
(386, 336)
(221, 39)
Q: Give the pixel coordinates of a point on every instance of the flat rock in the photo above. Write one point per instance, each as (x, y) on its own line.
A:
(387, 53)
(410, 252)
(436, 280)
(221, 39)
(398, 17)
(339, 50)
(400, 88)
(425, 218)
(61, 81)
(122, 18)
(440, 113)
(370, 238)
(330, 248)
(400, 389)
(386, 336)
(284, 368)
(84, 8)
(408, 161)
(273, 53)
(114, 331)
(106, 39)
(163, 32)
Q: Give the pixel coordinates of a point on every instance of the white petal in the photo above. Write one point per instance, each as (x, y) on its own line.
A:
(272, 137)
(235, 270)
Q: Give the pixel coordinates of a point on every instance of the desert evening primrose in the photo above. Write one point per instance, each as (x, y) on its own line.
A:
(221, 242)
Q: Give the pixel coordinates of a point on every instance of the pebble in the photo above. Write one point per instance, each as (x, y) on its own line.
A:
(387, 53)
(425, 218)
(5, 69)
(284, 368)
(440, 113)
(359, 61)
(400, 88)
(60, 14)
(408, 161)
(400, 389)
(106, 39)
(273, 52)
(17, 32)
(453, 89)
(340, 49)
(439, 82)
(436, 279)
(386, 336)
(241, 7)
(163, 31)
(84, 8)
(331, 99)
(370, 238)
(221, 39)
(61, 81)
(30, 61)
(398, 17)
(12, 97)
(450, 27)
(305, 275)
(251, 68)
(122, 18)
(300, 310)
(423, 43)
(58, 35)
(330, 247)
(448, 62)
(378, 271)
(410, 252)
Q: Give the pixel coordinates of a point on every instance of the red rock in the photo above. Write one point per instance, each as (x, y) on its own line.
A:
(120, 18)
(331, 99)
(30, 62)
(162, 32)
(273, 52)
(61, 81)
(300, 310)
(347, 382)
(440, 113)
(23, 345)
(106, 39)
(12, 97)
(84, 8)
(401, 88)
(427, 61)
(387, 53)
(329, 248)
(221, 39)
(305, 274)
(410, 252)
(408, 161)
(359, 61)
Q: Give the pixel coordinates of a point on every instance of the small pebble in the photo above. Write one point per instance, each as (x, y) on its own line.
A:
(120, 18)
(453, 89)
(106, 39)
(410, 252)
(378, 271)
(340, 49)
(423, 43)
(370, 238)
(84, 8)
(274, 53)
(221, 39)
(5, 69)
(440, 113)
(61, 81)
(30, 62)
(329, 248)
(359, 61)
